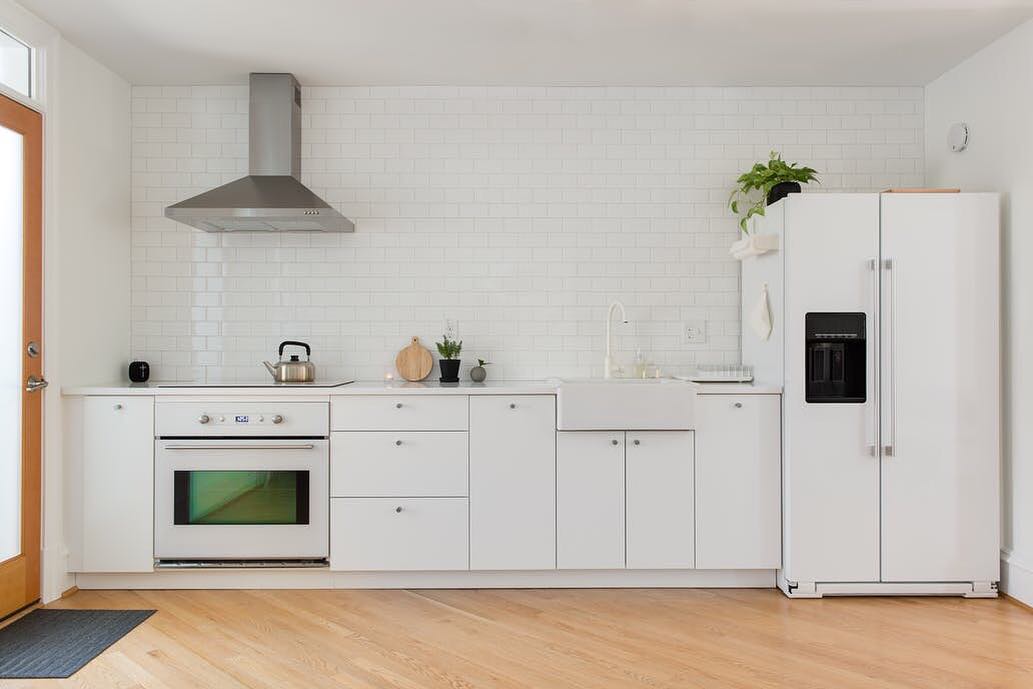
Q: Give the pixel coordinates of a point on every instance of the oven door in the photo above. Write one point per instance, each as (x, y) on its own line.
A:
(241, 499)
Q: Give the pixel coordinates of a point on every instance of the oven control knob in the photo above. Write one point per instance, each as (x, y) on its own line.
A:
(261, 419)
(203, 418)
(277, 419)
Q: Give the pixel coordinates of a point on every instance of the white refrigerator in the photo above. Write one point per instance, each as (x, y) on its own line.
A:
(885, 322)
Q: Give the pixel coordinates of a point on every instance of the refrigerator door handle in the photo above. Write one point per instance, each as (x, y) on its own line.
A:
(871, 433)
(889, 369)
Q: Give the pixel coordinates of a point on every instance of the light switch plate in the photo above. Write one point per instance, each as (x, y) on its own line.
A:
(695, 332)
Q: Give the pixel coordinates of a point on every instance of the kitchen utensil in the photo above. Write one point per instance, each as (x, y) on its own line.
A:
(294, 370)
(414, 362)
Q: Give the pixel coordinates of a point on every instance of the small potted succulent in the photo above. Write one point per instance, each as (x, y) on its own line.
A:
(449, 350)
(477, 373)
(774, 180)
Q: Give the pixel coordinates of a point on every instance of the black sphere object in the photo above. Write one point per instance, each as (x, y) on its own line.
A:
(139, 371)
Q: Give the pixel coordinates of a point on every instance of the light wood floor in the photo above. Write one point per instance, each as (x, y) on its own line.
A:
(551, 639)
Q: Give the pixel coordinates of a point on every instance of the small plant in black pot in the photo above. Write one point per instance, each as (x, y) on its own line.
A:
(774, 180)
(449, 350)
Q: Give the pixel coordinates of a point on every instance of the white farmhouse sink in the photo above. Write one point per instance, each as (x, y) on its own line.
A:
(632, 404)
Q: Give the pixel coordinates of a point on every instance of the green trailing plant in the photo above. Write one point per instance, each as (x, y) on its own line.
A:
(449, 348)
(746, 202)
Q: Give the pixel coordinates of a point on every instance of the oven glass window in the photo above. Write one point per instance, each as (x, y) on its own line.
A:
(241, 497)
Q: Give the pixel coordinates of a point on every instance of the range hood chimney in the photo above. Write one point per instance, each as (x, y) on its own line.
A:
(271, 198)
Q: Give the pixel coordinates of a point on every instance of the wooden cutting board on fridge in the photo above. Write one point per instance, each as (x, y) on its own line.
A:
(415, 361)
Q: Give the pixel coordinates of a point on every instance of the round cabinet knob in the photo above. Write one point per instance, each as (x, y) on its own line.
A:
(738, 405)
(277, 419)
(118, 407)
(398, 509)
(398, 405)
(203, 418)
(398, 443)
(613, 442)
(512, 405)
(638, 442)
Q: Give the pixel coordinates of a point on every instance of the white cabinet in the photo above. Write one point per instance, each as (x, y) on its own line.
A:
(116, 480)
(428, 534)
(659, 501)
(590, 500)
(513, 482)
(404, 412)
(738, 482)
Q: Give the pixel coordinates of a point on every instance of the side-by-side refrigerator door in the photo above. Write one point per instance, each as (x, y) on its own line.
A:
(830, 460)
(940, 387)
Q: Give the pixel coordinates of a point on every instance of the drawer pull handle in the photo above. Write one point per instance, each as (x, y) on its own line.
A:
(118, 407)
(398, 406)
(637, 442)
(398, 443)
(613, 442)
(398, 509)
(738, 405)
(512, 405)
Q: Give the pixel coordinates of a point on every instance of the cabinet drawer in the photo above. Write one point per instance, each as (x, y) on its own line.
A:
(402, 464)
(429, 534)
(399, 413)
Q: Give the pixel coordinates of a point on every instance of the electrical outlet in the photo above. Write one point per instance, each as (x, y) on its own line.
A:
(695, 332)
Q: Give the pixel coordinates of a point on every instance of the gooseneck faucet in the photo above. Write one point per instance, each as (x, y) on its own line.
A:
(608, 361)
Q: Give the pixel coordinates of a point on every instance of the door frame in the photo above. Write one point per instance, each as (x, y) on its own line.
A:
(20, 576)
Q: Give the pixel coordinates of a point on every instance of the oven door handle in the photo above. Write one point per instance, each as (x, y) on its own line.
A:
(305, 446)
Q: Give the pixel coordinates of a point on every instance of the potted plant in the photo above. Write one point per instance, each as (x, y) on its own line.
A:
(449, 350)
(774, 180)
(477, 373)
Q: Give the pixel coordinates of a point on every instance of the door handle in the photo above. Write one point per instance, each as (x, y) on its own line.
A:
(216, 446)
(890, 381)
(34, 383)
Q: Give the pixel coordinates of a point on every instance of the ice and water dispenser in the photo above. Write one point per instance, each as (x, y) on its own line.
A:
(836, 356)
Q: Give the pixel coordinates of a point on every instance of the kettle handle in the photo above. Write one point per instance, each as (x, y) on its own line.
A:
(308, 350)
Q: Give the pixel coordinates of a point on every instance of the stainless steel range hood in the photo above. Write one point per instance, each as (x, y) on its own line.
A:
(271, 198)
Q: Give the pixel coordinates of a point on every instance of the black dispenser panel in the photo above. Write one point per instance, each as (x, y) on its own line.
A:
(836, 358)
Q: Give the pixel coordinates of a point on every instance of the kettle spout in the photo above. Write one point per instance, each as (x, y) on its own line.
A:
(272, 368)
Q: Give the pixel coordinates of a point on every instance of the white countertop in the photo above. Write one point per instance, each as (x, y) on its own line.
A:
(365, 387)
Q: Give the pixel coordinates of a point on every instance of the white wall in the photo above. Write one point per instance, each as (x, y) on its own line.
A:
(521, 212)
(993, 92)
(86, 238)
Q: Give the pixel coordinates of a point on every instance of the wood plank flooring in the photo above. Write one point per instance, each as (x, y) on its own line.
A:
(550, 639)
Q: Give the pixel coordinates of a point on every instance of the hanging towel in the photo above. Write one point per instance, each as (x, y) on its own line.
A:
(760, 319)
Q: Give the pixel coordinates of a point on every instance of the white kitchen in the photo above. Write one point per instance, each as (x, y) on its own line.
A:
(487, 345)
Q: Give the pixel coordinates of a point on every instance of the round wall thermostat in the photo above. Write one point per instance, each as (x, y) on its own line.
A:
(957, 137)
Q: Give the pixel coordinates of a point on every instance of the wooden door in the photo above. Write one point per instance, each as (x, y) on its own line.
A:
(21, 311)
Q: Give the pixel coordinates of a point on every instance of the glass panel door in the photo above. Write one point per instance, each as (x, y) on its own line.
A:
(21, 378)
(241, 497)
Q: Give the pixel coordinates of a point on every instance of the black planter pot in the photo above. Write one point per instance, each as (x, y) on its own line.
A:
(782, 190)
(449, 370)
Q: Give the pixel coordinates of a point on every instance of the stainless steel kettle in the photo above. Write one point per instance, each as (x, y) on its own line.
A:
(294, 370)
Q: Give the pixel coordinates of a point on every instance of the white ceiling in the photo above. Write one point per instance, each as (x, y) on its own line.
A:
(492, 42)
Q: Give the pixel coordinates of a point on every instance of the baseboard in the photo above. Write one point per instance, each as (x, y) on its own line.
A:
(1016, 578)
(325, 579)
(70, 591)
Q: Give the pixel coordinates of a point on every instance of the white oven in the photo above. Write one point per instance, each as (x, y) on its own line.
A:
(241, 483)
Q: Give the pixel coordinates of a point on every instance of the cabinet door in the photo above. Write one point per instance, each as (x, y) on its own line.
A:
(118, 484)
(659, 527)
(590, 500)
(513, 482)
(738, 482)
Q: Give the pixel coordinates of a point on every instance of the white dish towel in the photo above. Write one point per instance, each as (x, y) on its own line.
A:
(760, 319)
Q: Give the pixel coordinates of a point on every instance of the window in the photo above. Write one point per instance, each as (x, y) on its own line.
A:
(15, 65)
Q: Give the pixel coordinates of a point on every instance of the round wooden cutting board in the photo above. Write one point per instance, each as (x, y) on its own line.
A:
(415, 361)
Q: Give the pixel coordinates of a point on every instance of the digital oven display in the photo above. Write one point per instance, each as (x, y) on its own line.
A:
(240, 418)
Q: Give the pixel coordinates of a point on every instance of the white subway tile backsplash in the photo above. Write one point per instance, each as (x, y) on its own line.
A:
(520, 212)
